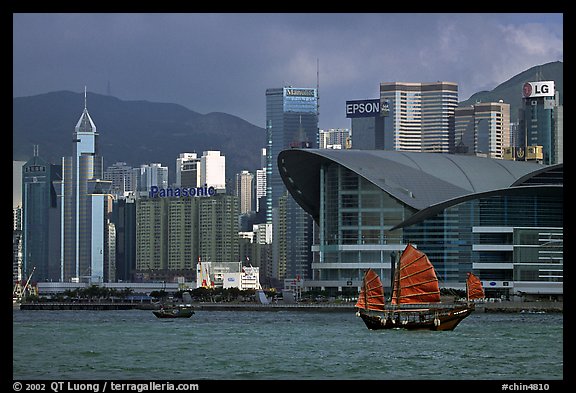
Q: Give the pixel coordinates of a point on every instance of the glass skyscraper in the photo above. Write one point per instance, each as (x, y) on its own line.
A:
(41, 223)
(83, 240)
(291, 122)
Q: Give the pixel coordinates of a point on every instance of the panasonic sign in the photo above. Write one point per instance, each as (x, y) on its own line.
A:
(363, 108)
(156, 192)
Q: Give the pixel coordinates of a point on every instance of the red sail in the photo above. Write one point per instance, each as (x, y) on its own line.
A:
(474, 287)
(372, 293)
(415, 280)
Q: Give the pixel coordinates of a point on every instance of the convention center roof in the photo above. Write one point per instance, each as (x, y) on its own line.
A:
(426, 182)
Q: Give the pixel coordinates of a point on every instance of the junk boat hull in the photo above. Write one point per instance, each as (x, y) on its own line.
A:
(415, 301)
(437, 320)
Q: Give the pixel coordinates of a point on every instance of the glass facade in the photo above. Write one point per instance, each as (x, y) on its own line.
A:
(41, 223)
(505, 239)
(356, 218)
(291, 121)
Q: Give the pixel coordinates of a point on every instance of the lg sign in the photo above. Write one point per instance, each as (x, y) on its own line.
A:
(538, 89)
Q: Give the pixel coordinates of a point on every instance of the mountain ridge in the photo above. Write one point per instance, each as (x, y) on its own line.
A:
(135, 132)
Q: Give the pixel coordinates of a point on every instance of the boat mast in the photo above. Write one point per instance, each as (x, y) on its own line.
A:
(396, 279)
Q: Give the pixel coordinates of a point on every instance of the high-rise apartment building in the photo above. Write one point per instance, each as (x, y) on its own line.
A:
(151, 234)
(84, 205)
(182, 235)
(173, 233)
(482, 129)
(291, 122)
(420, 115)
(218, 227)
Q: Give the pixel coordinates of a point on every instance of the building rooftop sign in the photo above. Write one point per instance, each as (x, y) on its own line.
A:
(538, 89)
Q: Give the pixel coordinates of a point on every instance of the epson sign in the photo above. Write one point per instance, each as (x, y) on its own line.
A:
(363, 108)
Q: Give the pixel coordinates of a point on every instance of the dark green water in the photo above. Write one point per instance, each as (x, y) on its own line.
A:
(295, 345)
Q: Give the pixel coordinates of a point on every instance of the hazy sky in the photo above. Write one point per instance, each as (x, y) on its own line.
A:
(224, 62)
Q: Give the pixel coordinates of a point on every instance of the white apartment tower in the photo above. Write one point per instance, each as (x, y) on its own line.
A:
(213, 169)
(244, 186)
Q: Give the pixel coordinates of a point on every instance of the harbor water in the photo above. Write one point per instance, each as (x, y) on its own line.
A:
(280, 345)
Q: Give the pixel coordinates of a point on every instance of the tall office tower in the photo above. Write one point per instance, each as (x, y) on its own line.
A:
(124, 219)
(149, 175)
(334, 138)
(218, 239)
(213, 169)
(188, 170)
(541, 119)
(82, 192)
(421, 115)
(244, 186)
(41, 219)
(121, 177)
(291, 122)
(482, 129)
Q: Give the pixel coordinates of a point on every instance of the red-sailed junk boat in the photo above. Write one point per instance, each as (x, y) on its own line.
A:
(415, 302)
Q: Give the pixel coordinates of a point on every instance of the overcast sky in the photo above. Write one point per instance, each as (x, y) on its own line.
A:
(225, 62)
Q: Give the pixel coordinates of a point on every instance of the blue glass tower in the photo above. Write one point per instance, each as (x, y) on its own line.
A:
(291, 122)
(41, 223)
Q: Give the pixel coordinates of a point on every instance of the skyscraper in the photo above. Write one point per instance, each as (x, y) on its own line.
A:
(82, 193)
(482, 129)
(291, 122)
(541, 119)
(40, 221)
(420, 114)
(369, 118)
(149, 175)
(121, 177)
(244, 187)
(188, 170)
(213, 169)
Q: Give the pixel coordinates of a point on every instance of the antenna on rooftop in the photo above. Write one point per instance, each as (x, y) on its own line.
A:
(317, 86)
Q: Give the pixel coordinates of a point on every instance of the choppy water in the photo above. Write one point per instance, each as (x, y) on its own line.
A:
(282, 345)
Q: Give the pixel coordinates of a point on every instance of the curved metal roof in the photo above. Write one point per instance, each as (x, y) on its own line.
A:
(420, 180)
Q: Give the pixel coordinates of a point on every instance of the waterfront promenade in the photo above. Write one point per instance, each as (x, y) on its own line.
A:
(491, 307)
